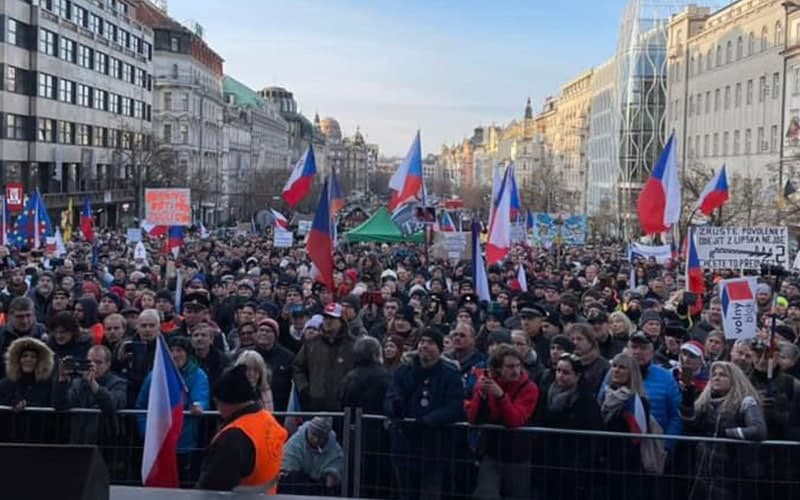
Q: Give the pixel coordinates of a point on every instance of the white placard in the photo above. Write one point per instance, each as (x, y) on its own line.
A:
(455, 244)
(282, 238)
(134, 235)
(739, 311)
(304, 227)
(742, 247)
(140, 252)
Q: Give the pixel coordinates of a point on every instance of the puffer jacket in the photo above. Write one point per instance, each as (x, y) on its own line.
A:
(8, 335)
(298, 456)
(36, 388)
(319, 369)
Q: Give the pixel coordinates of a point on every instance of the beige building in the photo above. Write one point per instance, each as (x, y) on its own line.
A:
(724, 87)
(791, 120)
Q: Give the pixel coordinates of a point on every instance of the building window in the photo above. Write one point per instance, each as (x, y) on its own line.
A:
(84, 135)
(761, 144)
(764, 38)
(762, 88)
(127, 73)
(79, 15)
(85, 56)
(699, 63)
(778, 33)
(709, 60)
(47, 86)
(113, 67)
(139, 75)
(126, 106)
(185, 102)
(690, 109)
(739, 48)
(113, 138)
(751, 44)
(729, 52)
(776, 85)
(66, 91)
(727, 97)
(718, 60)
(699, 109)
(11, 79)
(716, 144)
(708, 102)
(184, 133)
(737, 99)
(167, 133)
(725, 137)
(62, 8)
(84, 95)
(749, 92)
(111, 31)
(15, 126)
(100, 99)
(748, 139)
(168, 101)
(67, 49)
(66, 132)
(706, 145)
(796, 86)
(100, 62)
(138, 109)
(736, 138)
(175, 71)
(46, 130)
(773, 139)
(96, 24)
(173, 44)
(716, 100)
(99, 136)
(113, 102)
(47, 42)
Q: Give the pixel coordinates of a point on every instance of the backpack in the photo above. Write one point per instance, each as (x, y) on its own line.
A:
(654, 456)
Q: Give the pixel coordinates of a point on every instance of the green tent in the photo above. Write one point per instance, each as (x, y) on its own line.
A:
(382, 229)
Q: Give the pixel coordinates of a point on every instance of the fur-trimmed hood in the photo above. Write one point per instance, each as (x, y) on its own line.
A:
(44, 367)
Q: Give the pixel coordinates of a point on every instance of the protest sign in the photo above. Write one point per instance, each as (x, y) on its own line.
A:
(168, 206)
(741, 247)
(452, 246)
(739, 311)
(661, 253)
(282, 238)
(134, 235)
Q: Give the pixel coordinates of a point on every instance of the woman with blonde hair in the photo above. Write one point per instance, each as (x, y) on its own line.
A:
(620, 325)
(729, 407)
(259, 375)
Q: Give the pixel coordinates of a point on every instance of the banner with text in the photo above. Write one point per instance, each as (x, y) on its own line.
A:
(742, 247)
(558, 228)
(739, 311)
(451, 246)
(168, 206)
(282, 238)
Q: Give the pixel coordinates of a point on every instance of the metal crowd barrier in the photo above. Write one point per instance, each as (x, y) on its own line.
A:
(402, 459)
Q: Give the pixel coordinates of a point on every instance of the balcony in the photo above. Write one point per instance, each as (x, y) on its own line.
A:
(108, 196)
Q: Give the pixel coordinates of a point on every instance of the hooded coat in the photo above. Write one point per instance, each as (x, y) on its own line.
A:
(36, 388)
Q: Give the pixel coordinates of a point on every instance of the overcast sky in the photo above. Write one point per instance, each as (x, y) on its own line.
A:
(392, 67)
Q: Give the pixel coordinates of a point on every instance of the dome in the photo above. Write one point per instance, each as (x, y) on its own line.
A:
(358, 139)
(330, 128)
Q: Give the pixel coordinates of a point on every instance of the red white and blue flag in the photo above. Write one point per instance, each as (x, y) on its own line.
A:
(87, 222)
(299, 183)
(175, 237)
(516, 206)
(447, 225)
(635, 416)
(319, 244)
(152, 230)
(279, 220)
(499, 242)
(478, 266)
(659, 203)
(337, 198)
(164, 421)
(407, 184)
(715, 194)
(695, 281)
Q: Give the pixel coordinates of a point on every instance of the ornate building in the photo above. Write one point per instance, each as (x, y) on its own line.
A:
(353, 159)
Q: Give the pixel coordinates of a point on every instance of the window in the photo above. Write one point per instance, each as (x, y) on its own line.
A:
(127, 73)
(67, 49)
(46, 130)
(112, 136)
(716, 143)
(85, 56)
(138, 109)
(697, 145)
(706, 144)
(708, 102)
(100, 62)
(62, 8)
(83, 134)
(113, 67)
(167, 101)
(167, 133)
(764, 38)
(113, 103)
(96, 24)
(15, 126)
(690, 109)
(739, 48)
(47, 42)
(737, 99)
(761, 145)
(66, 91)
(736, 139)
(727, 97)
(126, 106)
(111, 31)
(778, 33)
(773, 138)
(173, 44)
(100, 99)
(718, 61)
(14, 32)
(11, 79)
(185, 102)
(139, 77)
(749, 92)
(709, 61)
(699, 109)
(729, 52)
(716, 100)
(776, 85)
(66, 132)
(79, 15)
(725, 137)
(84, 95)
(47, 86)
(184, 133)
(762, 88)
(796, 86)
(748, 139)
(699, 63)
(175, 71)
(99, 136)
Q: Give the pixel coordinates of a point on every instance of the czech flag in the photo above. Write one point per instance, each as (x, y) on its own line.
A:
(634, 415)
(301, 178)
(175, 239)
(499, 242)
(279, 220)
(695, 282)
(478, 266)
(406, 183)
(659, 203)
(516, 206)
(164, 421)
(522, 278)
(87, 222)
(715, 194)
(319, 244)
(152, 230)
(447, 225)
(337, 198)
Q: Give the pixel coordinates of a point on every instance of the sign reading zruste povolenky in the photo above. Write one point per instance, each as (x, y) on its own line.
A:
(737, 248)
(739, 311)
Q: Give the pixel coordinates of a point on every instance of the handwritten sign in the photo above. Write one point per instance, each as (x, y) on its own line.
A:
(742, 247)
(168, 207)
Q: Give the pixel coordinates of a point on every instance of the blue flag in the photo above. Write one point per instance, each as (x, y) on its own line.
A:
(34, 224)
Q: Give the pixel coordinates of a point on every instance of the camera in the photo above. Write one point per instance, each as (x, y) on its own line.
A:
(75, 365)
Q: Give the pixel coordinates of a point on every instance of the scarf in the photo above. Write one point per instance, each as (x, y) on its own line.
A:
(614, 402)
(559, 399)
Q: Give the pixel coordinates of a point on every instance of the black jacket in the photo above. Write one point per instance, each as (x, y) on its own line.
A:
(279, 360)
(365, 387)
(213, 364)
(28, 389)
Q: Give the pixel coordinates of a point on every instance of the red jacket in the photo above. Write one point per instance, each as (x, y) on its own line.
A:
(514, 409)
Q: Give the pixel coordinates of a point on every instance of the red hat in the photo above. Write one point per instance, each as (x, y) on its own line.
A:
(695, 348)
(270, 323)
(333, 310)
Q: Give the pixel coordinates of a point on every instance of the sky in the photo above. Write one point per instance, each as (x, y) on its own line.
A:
(392, 67)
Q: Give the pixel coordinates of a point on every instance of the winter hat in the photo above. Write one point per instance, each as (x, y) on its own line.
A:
(233, 386)
(435, 335)
(314, 322)
(649, 316)
(499, 337)
(695, 348)
(786, 332)
(181, 342)
(564, 342)
(407, 313)
(763, 288)
(270, 323)
(165, 295)
(114, 298)
(569, 299)
(320, 426)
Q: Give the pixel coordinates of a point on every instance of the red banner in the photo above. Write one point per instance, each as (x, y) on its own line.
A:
(14, 196)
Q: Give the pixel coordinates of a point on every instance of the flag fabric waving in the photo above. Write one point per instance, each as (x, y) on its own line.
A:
(695, 281)
(478, 266)
(447, 225)
(715, 194)
(407, 184)
(175, 239)
(87, 222)
(337, 198)
(34, 224)
(279, 220)
(164, 421)
(299, 183)
(66, 221)
(499, 242)
(659, 203)
(320, 240)
(4, 223)
(516, 206)
(522, 278)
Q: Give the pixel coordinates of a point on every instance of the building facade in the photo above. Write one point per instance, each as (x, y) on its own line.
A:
(602, 145)
(301, 131)
(76, 93)
(570, 136)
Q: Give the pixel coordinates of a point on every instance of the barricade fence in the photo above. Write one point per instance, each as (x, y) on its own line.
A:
(404, 459)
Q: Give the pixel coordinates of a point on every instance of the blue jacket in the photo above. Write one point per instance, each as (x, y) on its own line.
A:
(197, 392)
(299, 456)
(665, 399)
(434, 396)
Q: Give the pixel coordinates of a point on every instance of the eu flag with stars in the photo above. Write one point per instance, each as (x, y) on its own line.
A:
(33, 224)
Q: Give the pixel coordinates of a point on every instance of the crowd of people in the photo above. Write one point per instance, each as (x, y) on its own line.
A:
(408, 338)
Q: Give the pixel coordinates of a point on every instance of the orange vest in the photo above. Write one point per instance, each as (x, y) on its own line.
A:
(268, 437)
